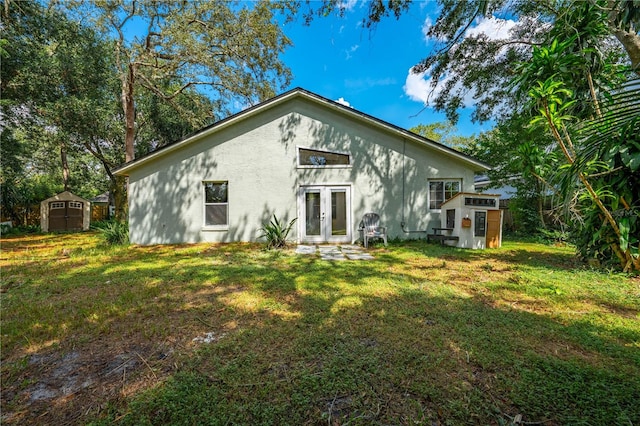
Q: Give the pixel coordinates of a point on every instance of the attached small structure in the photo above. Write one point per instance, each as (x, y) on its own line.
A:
(65, 212)
(470, 220)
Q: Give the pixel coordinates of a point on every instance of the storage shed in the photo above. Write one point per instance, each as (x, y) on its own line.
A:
(65, 212)
(470, 220)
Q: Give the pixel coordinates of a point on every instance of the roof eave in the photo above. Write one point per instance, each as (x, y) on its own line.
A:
(476, 165)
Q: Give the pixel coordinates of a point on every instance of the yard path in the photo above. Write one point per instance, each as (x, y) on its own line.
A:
(335, 252)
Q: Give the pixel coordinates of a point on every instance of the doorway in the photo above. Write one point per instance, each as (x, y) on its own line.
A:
(493, 228)
(326, 214)
(65, 216)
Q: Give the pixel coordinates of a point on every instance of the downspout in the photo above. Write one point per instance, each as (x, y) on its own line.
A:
(403, 223)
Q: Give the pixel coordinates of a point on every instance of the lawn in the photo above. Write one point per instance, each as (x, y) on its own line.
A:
(233, 334)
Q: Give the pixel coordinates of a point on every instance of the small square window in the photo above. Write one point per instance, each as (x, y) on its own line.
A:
(216, 203)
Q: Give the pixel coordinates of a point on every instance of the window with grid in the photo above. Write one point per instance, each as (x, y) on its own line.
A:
(442, 190)
(216, 203)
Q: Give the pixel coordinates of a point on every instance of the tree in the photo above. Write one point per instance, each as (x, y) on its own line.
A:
(62, 116)
(445, 133)
(53, 73)
(461, 63)
(231, 50)
(565, 62)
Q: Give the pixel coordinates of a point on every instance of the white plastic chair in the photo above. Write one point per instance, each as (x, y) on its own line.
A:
(370, 228)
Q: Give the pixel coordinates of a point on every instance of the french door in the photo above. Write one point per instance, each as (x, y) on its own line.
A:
(326, 214)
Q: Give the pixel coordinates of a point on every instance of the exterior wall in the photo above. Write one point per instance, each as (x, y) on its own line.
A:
(65, 196)
(258, 157)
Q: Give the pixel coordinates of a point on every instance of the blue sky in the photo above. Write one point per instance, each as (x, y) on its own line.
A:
(337, 58)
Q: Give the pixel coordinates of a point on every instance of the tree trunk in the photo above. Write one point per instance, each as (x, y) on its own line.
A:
(129, 109)
(65, 165)
(631, 43)
(119, 194)
(121, 184)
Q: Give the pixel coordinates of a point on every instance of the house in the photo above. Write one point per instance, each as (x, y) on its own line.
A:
(102, 207)
(295, 155)
(506, 191)
(65, 212)
(470, 220)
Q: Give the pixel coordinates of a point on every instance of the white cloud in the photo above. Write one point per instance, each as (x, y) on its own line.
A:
(365, 83)
(347, 4)
(492, 27)
(418, 86)
(428, 23)
(351, 50)
(343, 102)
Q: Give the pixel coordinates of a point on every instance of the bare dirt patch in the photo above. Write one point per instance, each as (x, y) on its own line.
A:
(67, 385)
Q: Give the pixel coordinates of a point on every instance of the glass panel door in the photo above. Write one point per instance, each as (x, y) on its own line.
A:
(313, 212)
(326, 211)
(338, 212)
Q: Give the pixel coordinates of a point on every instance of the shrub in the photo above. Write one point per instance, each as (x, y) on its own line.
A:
(276, 233)
(113, 232)
(6, 230)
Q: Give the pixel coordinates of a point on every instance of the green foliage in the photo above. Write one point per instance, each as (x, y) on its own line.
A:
(445, 133)
(276, 233)
(526, 217)
(6, 230)
(113, 232)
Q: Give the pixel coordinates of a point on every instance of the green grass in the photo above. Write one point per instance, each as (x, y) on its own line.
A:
(423, 334)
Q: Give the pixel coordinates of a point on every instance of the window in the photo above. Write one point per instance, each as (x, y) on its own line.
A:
(56, 205)
(451, 218)
(216, 203)
(480, 228)
(484, 202)
(315, 158)
(442, 190)
(75, 205)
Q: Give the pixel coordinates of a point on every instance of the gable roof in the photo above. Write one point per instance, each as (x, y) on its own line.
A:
(65, 196)
(298, 92)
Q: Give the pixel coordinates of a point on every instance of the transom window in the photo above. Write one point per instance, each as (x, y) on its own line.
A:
(316, 158)
(483, 202)
(216, 203)
(442, 190)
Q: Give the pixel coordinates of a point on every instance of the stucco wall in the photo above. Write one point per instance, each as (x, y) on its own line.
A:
(258, 157)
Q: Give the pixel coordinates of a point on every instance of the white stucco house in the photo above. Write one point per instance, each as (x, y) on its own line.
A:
(295, 155)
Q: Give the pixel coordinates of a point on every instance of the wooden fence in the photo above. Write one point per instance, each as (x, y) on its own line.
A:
(30, 216)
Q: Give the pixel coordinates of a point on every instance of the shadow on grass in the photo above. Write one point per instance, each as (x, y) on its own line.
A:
(305, 341)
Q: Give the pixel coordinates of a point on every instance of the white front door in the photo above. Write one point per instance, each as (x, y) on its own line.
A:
(326, 214)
